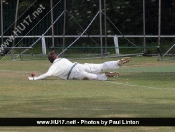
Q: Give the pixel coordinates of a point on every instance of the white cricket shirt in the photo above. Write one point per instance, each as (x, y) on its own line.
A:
(59, 68)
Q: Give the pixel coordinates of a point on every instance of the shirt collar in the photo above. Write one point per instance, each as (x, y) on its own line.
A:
(58, 59)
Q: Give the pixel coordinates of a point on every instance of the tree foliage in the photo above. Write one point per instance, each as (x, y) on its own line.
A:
(126, 15)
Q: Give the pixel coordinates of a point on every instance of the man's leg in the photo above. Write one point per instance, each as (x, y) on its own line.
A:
(97, 68)
(82, 75)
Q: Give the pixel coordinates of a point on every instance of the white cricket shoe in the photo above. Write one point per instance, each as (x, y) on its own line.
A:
(124, 60)
(112, 74)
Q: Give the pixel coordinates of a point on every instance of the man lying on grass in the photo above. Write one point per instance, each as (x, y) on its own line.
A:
(65, 69)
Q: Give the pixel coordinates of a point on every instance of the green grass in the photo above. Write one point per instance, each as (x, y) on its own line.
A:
(145, 88)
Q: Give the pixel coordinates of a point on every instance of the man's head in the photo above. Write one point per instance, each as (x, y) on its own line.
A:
(52, 56)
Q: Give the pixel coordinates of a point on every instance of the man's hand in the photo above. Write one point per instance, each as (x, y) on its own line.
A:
(31, 78)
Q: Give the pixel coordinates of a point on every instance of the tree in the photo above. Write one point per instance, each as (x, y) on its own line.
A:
(128, 15)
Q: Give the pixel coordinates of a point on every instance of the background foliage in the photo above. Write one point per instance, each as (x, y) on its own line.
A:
(126, 15)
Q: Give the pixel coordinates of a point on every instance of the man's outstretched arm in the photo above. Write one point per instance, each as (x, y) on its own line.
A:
(40, 77)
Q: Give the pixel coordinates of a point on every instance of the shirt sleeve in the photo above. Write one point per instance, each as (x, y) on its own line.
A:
(43, 76)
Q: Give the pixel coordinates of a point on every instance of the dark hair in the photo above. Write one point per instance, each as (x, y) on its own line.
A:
(52, 56)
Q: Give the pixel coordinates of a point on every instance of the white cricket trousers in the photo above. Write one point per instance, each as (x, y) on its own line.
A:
(93, 71)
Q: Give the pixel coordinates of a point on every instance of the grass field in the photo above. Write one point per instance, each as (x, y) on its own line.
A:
(145, 88)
